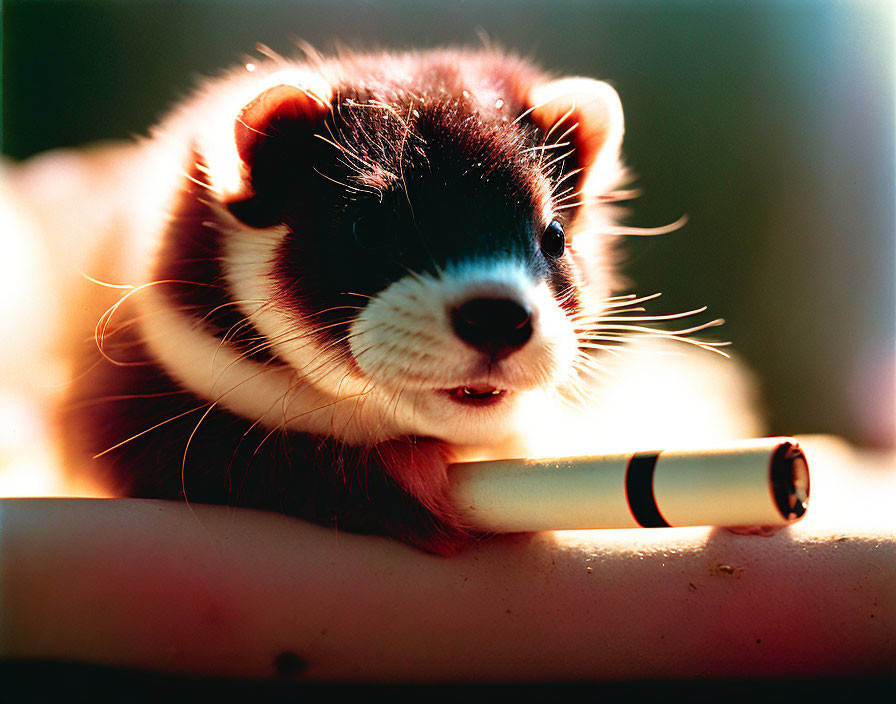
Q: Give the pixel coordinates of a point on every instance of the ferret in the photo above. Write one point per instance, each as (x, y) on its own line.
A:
(335, 276)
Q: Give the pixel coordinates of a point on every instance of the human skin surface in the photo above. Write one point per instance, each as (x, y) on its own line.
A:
(215, 591)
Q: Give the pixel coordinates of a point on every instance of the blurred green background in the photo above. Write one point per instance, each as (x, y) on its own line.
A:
(770, 124)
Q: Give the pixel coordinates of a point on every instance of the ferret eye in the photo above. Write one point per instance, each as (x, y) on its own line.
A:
(373, 232)
(553, 241)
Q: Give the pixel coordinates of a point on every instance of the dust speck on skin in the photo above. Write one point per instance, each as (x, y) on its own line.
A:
(289, 664)
(728, 570)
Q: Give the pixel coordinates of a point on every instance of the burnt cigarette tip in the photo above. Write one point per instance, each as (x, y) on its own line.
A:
(790, 481)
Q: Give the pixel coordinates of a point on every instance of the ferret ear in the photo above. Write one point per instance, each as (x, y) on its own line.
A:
(274, 139)
(589, 113)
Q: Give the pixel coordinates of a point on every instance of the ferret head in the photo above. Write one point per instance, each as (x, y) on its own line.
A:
(416, 239)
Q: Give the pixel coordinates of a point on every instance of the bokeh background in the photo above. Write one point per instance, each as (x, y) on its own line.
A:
(769, 123)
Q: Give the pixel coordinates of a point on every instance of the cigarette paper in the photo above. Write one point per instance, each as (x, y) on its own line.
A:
(763, 482)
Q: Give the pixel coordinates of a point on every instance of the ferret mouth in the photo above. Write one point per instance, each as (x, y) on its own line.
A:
(476, 395)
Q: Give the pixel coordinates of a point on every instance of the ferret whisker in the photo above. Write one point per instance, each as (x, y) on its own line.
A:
(102, 325)
(261, 370)
(149, 430)
(594, 322)
(681, 336)
(183, 464)
(570, 199)
(558, 159)
(563, 118)
(545, 147)
(358, 398)
(361, 295)
(239, 304)
(588, 345)
(201, 184)
(295, 417)
(616, 325)
(290, 336)
(621, 230)
(105, 284)
(545, 168)
(112, 398)
(585, 374)
(608, 337)
(567, 292)
(569, 206)
(523, 115)
(569, 174)
(623, 316)
(566, 194)
(562, 138)
(629, 300)
(352, 189)
(620, 195)
(356, 160)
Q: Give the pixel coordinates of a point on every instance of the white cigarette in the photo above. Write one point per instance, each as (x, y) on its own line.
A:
(762, 482)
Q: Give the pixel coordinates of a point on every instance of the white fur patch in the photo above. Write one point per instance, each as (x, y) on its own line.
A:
(403, 341)
(276, 396)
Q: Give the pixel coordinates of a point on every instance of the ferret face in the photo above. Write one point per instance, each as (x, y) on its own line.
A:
(404, 248)
(434, 275)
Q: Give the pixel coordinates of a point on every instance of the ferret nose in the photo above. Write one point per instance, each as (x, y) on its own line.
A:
(495, 326)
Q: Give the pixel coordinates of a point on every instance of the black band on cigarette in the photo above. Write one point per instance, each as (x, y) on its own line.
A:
(639, 490)
(789, 478)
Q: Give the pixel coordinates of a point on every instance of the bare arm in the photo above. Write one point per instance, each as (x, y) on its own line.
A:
(216, 591)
